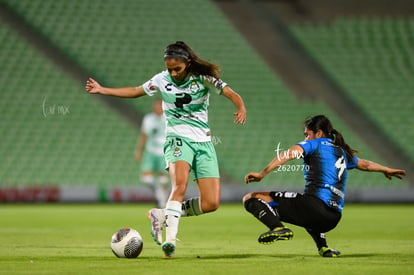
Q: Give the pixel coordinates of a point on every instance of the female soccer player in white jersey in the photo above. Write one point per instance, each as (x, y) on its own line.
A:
(185, 88)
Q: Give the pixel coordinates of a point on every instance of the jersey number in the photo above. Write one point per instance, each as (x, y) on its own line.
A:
(340, 164)
(181, 99)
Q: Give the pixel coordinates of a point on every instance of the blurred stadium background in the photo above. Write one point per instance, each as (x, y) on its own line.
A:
(351, 60)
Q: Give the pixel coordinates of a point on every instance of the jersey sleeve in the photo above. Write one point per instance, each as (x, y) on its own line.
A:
(213, 84)
(151, 87)
(352, 163)
(308, 146)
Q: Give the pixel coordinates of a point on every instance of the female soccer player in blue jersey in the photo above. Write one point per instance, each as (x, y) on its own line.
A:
(185, 87)
(327, 158)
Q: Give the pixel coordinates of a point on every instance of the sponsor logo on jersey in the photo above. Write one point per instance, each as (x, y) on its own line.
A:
(177, 152)
(194, 87)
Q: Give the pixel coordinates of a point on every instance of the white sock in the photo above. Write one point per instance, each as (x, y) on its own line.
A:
(192, 207)
(172, 218)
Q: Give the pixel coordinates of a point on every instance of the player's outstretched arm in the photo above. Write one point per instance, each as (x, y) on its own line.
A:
(293, 152)
(93, 87)
(240, 115)
(370, 166)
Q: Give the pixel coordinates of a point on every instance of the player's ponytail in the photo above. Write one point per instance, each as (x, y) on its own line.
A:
(340, 141)
(321, 122)
(197, 66)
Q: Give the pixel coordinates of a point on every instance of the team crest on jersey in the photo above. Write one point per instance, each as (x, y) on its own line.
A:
(177, 152)
(194, 87)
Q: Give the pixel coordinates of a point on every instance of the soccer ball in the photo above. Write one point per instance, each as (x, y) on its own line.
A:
(126, 243)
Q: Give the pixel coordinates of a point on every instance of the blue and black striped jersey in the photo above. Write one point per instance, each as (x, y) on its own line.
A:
(326, 172)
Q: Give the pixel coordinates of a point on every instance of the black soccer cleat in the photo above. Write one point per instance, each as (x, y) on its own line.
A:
(329, 252)
(278, 234)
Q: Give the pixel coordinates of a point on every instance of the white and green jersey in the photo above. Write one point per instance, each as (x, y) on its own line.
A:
(154, 127)
(185, 104)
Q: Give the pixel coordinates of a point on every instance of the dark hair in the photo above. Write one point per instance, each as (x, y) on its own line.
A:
(321, 122)
(197, 66)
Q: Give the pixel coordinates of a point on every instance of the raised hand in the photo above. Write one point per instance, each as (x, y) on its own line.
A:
(252, 177)
(92, 86)
(398, 173)
(240, 116)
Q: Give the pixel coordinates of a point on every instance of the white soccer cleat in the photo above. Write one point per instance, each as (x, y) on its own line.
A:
(157, 218)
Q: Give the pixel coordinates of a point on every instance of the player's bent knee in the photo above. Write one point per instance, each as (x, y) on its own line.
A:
(257, 195)
(249, 204)
(248, 196)
(210, 206)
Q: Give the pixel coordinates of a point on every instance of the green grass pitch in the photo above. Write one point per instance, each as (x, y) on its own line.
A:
(74, 239)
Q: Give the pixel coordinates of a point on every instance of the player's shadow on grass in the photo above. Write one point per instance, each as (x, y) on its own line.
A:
(227, 256)
(245, 256)
(281, 256)
(355, 255)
